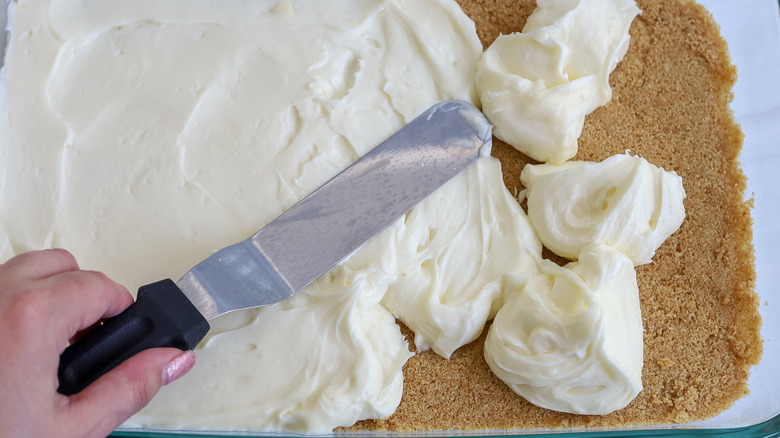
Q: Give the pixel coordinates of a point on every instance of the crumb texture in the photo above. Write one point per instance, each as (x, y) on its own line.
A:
(670, 105)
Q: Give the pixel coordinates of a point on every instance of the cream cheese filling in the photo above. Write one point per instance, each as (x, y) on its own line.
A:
(537, 86)
(144, 135)
(328, 356)
(623, 202)
(570, 338)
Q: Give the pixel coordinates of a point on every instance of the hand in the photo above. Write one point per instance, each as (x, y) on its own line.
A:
(45, 299)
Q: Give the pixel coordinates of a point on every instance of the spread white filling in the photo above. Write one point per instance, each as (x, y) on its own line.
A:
(537, 86)
(623, 202)
(144, 135)
(328, 356)
(570, 339)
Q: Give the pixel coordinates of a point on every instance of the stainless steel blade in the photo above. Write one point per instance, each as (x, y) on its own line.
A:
(328, 225)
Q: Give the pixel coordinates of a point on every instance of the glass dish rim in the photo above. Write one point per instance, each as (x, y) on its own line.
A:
(768, 428)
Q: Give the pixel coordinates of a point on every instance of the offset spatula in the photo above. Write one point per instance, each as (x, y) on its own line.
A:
(293, 250)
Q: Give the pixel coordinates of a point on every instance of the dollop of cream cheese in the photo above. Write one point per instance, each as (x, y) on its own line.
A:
(570, 338)
(536, 87)
(623, 202)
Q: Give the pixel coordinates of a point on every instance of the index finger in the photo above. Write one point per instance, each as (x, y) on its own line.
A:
(36, 265)
(82, 298)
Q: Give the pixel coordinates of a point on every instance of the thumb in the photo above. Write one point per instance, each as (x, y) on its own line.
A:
(123, 391)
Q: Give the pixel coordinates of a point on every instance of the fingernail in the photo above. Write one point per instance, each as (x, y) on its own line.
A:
(178, 367)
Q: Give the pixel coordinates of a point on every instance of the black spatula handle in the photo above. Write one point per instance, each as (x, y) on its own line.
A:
(162, 316)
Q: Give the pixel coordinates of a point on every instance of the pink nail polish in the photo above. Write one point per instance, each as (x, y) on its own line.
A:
(178, 367)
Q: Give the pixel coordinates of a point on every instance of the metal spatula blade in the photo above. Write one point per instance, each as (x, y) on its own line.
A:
(321, 230)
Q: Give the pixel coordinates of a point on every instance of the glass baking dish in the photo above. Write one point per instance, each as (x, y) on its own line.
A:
(752, 30)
